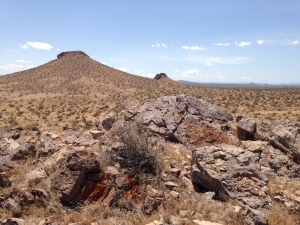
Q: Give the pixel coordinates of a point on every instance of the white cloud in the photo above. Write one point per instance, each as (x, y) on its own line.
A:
(153, 45)
(246, 78)
(163, 45)
(138, 72)
(124, 69)
(208, 64)
(157, 44)
(37, 45)
(222, 44)
(295, 42)
(260, 42)
(57, 49)
(31, 66)
(24, 46)
(242, 44)
(11, 66)
(185, 47)
(196, 48)
(22, 61)
(192, 73)
(176, 71)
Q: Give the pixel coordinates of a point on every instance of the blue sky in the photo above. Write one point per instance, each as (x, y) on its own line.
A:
(204, 41)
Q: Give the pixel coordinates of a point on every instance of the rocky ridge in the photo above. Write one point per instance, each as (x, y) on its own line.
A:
(254, 166)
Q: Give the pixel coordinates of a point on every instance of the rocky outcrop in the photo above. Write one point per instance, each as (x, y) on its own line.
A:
(71, 53)
(182, 119)
(160, 76)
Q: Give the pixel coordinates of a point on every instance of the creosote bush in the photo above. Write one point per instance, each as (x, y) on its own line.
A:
(136, 149)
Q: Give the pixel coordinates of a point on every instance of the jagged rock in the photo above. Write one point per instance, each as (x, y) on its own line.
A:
(6, 163)
(4, 180)
(230, 172)
(39, 192)
(153, 193)
(73, 138)
(111, 170)
(49, 146)
(107, 122)
(13, 221)
(175, 194)
(150, 205)
(246, 127)
(9, 204)
(75, 163)
(37, 173)
(181, 119)
(67, 184)
(22, 197)
(263, 131)
(96, 134)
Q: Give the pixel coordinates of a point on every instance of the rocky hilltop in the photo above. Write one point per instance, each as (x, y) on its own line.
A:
(71, 53)
(174, 160)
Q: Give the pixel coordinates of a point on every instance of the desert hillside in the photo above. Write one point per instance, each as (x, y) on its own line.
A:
(73, 86)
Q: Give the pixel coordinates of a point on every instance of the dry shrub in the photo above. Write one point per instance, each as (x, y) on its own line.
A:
(137, 148)
(280, 216)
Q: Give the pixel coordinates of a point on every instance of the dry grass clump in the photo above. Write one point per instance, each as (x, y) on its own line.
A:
(279, 216)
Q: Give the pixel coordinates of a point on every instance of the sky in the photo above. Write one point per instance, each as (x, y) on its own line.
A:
(218, 41)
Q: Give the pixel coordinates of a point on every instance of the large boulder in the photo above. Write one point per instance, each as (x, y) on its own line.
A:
(181, 119)
(284, 135)
(67, 184)
(246, 127)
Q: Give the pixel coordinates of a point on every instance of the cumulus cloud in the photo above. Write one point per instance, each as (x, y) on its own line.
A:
(221, 44)
(37, 45)
(295, 42)
(242, 44)
(159, 45)
(22, 61)
(57, 49)
(260, 42)
(24, 46)
(11, 66)
(124, 69)
(192, 73)
(176, 71)
(208, 64)
(137, 71)
(196, 48)
(192, 47)
(31, 66)
(246, 78)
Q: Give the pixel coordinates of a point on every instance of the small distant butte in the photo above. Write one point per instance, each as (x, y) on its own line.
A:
(160, 76)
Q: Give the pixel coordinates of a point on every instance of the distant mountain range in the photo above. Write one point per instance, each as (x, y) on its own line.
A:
(241, 85)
